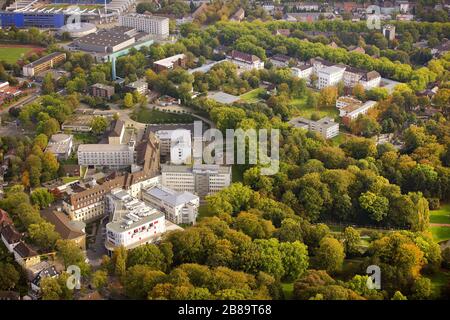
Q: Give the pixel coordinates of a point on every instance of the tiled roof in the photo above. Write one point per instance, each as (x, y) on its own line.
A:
(249, 58)
(23, 250)
(10, 234)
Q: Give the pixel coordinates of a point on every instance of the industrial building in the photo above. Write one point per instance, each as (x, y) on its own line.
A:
(109, 41)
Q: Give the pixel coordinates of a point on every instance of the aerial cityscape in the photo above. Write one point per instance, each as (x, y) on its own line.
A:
(224, 150)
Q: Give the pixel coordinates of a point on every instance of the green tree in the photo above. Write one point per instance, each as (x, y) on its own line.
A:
(43, 234)
(352, 239)
(41, 197)
(99, 125)
(294, 256)
(99, 279)
(330, 255)
(148, 255)
(9, 276)
(128, 100)
(376, 206)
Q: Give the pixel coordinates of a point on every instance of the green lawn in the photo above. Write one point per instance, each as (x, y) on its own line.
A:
(339, 139)
(288, 290)
(12, 54)
(86, 138)
(69, 179)
(252, 96)
(441, 215)
(302, 110)
(440, 233)
(156, 116)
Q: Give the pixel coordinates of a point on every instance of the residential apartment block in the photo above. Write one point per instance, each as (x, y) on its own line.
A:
(102, 90)
(43, 64)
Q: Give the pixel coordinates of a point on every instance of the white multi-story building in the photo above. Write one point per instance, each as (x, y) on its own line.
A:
(60, 145)
(330, 76)
(303, 72)
(179, 207)
(201, 179)
(326, 126)
(245, 61)
(154, 25)
(352, 111)
(140, 86)
(177, 144)
(368, 80)
(111, 155)
(132, 222)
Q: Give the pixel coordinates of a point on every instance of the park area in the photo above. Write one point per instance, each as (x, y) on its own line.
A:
(440, 223)
(13, 53)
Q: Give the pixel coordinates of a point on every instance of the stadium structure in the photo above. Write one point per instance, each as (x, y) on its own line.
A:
(53, 15)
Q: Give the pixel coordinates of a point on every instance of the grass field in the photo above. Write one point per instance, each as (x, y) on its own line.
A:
(69, 179)
(156, 116)
(440, 233)
(441, 215)
(302, 110)
(252, 96)
(12, 54)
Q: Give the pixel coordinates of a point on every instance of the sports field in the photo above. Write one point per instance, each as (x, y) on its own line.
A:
(12, 53)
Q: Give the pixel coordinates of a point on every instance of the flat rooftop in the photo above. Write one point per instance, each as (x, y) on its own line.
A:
(44, 59)
(103, 147)
(130, 212)
(198, 168)
(170, 196)
(107, 37)
(167, 62)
